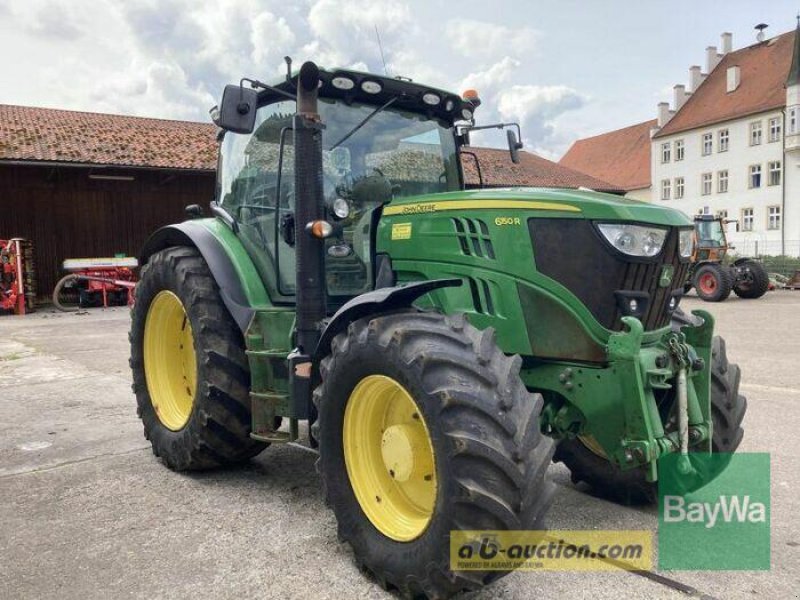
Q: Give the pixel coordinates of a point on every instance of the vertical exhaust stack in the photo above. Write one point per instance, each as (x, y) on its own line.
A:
(310, 275)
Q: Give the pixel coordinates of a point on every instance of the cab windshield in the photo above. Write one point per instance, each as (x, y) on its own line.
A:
(710, 234)
(395, 153)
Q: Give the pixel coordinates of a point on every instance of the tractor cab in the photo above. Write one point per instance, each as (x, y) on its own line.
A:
(711, 242)
(383, 138)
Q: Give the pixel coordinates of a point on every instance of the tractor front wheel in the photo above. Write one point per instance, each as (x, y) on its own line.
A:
(713, 282)
(425, 427)
(587, 462)
(190, 372)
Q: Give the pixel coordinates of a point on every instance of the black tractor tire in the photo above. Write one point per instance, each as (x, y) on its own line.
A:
(491, 457)
(217, 432)
(728, 408)
(756, 281)
(713, 282)
(67, 301)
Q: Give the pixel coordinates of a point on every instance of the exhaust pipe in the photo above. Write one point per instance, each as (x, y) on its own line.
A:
(310, 290)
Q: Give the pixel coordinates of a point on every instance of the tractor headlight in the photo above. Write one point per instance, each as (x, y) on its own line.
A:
(341, 208)
(634, 240)
(686, 242)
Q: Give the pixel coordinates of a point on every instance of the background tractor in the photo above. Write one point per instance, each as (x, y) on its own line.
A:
(440, 342)
(712, 279)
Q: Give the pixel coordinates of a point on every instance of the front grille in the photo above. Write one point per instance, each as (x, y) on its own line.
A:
(572, 252)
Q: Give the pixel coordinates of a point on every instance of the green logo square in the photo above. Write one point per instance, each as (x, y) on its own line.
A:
(716, 517)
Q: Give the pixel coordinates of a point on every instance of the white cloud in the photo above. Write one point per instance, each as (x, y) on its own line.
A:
(345, 29)
(538, 109)
(490, 80)
(52, 19)
(477, 39)
(269, 34)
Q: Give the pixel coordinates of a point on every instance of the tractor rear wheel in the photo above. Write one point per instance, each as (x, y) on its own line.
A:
(587, 462)
(752, 280)
(425, 427)
(713, 282)
(190, 372)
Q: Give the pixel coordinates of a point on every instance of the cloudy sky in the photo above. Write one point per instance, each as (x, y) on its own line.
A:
(563, 68)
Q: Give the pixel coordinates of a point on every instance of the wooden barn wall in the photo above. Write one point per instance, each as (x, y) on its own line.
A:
(68, 215)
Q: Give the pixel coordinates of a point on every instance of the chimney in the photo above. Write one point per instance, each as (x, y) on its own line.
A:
(734, 78)
(695, 78)
(679, 96)
(712, 59)
(663, 113)
(727, 42)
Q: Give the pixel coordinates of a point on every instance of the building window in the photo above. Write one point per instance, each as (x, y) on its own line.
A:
(773, 217)
(708, 143)
(794, 113)
(722, 214)
(724, 136)
(722, 181)
(679, 186)
(705, 181)
(747, 219)
(755, 176)
(666, 189)
(774, 173)
(755, 133)
(666, 151)
(679, 150)
(775, 129)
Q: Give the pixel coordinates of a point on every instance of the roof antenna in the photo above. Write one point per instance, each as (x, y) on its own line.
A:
(760, 28)
(380, 47)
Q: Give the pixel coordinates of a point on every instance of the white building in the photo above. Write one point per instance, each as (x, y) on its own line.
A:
(729, 144)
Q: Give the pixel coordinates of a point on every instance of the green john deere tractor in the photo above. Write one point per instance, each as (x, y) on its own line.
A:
(442, 344)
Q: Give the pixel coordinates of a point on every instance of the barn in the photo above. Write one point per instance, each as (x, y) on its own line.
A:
(90, 185)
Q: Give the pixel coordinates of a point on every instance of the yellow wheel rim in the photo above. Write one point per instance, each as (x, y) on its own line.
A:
(389, 458)
(170, 365)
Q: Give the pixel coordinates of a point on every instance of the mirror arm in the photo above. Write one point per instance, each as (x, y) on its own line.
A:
(255, 83)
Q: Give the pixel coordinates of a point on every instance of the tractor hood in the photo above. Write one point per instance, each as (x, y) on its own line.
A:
(584, 204)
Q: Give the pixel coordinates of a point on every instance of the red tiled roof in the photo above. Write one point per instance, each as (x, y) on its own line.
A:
(764, 68)
(532, 170)
(51, 135)
(621, 157)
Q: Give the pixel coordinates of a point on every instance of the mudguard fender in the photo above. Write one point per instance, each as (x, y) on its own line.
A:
(376, 302)
(219, 263)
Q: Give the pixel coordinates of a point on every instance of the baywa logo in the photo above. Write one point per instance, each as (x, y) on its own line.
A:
(717, 516)
(728, 508)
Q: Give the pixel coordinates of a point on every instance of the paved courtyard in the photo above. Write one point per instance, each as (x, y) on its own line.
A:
(86, 511)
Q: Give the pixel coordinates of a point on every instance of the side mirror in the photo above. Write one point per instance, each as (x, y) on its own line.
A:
(237, 111)
(513, 145)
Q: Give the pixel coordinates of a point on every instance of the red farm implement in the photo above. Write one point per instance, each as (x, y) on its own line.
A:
(95, 282)
(17, 276)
